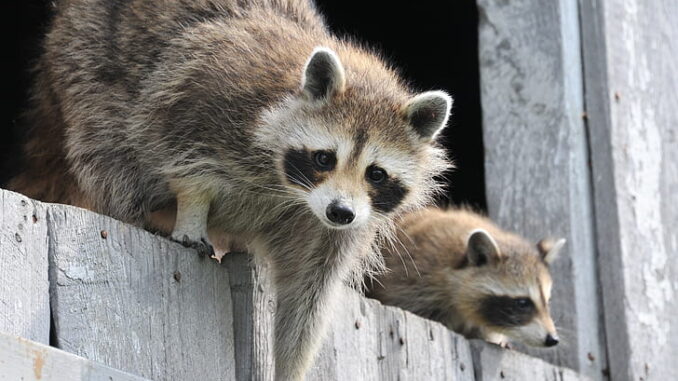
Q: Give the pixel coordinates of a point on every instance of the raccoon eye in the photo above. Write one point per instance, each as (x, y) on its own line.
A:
(324, 160)
(376, 175)
(522, 303)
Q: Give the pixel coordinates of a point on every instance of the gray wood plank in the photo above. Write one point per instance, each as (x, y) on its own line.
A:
(536, 157)
(372, 342)
(141, 304)
(137, 302)
(22, 359)
(436, 353)
(24, 288)
(495, 364)
(631, 73)
(253, 319)
(365, 340)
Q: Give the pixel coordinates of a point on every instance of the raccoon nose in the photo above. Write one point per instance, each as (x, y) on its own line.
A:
(551, 340)
(339, 214)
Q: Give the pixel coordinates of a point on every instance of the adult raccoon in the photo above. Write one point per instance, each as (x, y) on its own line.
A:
(250, 117)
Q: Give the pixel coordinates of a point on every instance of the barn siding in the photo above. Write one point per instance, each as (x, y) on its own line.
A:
(24, 298)
(133, 301)
(581, 136)
(631, 75)
(536, 157)
(117, 299)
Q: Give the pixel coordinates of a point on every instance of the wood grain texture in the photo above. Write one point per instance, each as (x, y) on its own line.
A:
(536, 157)
(369, 341)
(365, 340)
(631, 62)
(137, 302)
(141, 304)
(253, 319)
(495, 364)
(22, 359)
(24, 287)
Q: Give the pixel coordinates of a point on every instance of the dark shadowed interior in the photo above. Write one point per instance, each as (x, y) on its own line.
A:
(434, 44)
(26, 21)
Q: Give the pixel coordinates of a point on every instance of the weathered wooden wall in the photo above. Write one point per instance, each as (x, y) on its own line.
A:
(631, 77)
(24, 300)
(536, 158)
(135, 302)
(141, 304)
(581, 134)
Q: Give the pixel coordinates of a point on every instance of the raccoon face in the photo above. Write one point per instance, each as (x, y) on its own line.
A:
(350, 157)
(516, 301)
(336, 190)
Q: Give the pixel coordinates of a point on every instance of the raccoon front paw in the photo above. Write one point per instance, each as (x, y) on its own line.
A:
(202, 246)
(498, 339)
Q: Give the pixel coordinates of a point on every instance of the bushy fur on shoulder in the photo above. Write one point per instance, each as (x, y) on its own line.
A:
(242, 118)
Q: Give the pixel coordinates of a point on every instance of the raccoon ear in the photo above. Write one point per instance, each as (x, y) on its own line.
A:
(481, 248)
(550, 248)
(428, 113)
(324, 75)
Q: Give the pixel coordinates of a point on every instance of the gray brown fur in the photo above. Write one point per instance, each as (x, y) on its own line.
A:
(436, 274)
(141, 105)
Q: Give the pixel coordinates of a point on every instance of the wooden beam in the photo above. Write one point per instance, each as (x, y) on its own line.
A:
(24, 298)
(136, 302)
(368, 341)
(536, 157)
(494, 364)
(253, 319)
(22, 359)
(631, 71)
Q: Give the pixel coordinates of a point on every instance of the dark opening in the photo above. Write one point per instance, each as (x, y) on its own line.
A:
(434, 44)
(26, 21)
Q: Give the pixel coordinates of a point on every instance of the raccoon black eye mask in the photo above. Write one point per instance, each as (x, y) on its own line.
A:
(387, 192)
(305, 168)
(470, 275)
(505, 311)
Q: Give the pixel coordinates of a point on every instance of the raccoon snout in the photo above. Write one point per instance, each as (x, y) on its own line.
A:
(551, 340)
(339, 214)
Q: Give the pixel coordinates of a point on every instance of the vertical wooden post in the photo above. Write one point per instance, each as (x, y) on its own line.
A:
(253, 317)
(24, 298)
(536, 156)
(631, 71)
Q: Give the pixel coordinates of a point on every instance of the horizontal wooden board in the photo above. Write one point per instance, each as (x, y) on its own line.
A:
(141, 304)
(495, 364)
(26, 360)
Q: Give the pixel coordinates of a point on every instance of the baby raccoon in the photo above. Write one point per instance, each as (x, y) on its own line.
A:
(460, 269)
(250, 117)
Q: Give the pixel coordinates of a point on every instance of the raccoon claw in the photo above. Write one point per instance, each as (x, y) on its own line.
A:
(203, 247)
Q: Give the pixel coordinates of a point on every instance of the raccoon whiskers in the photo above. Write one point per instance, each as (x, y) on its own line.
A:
(305, 181)
(391, 238)
(285, 205)
(277, 192)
